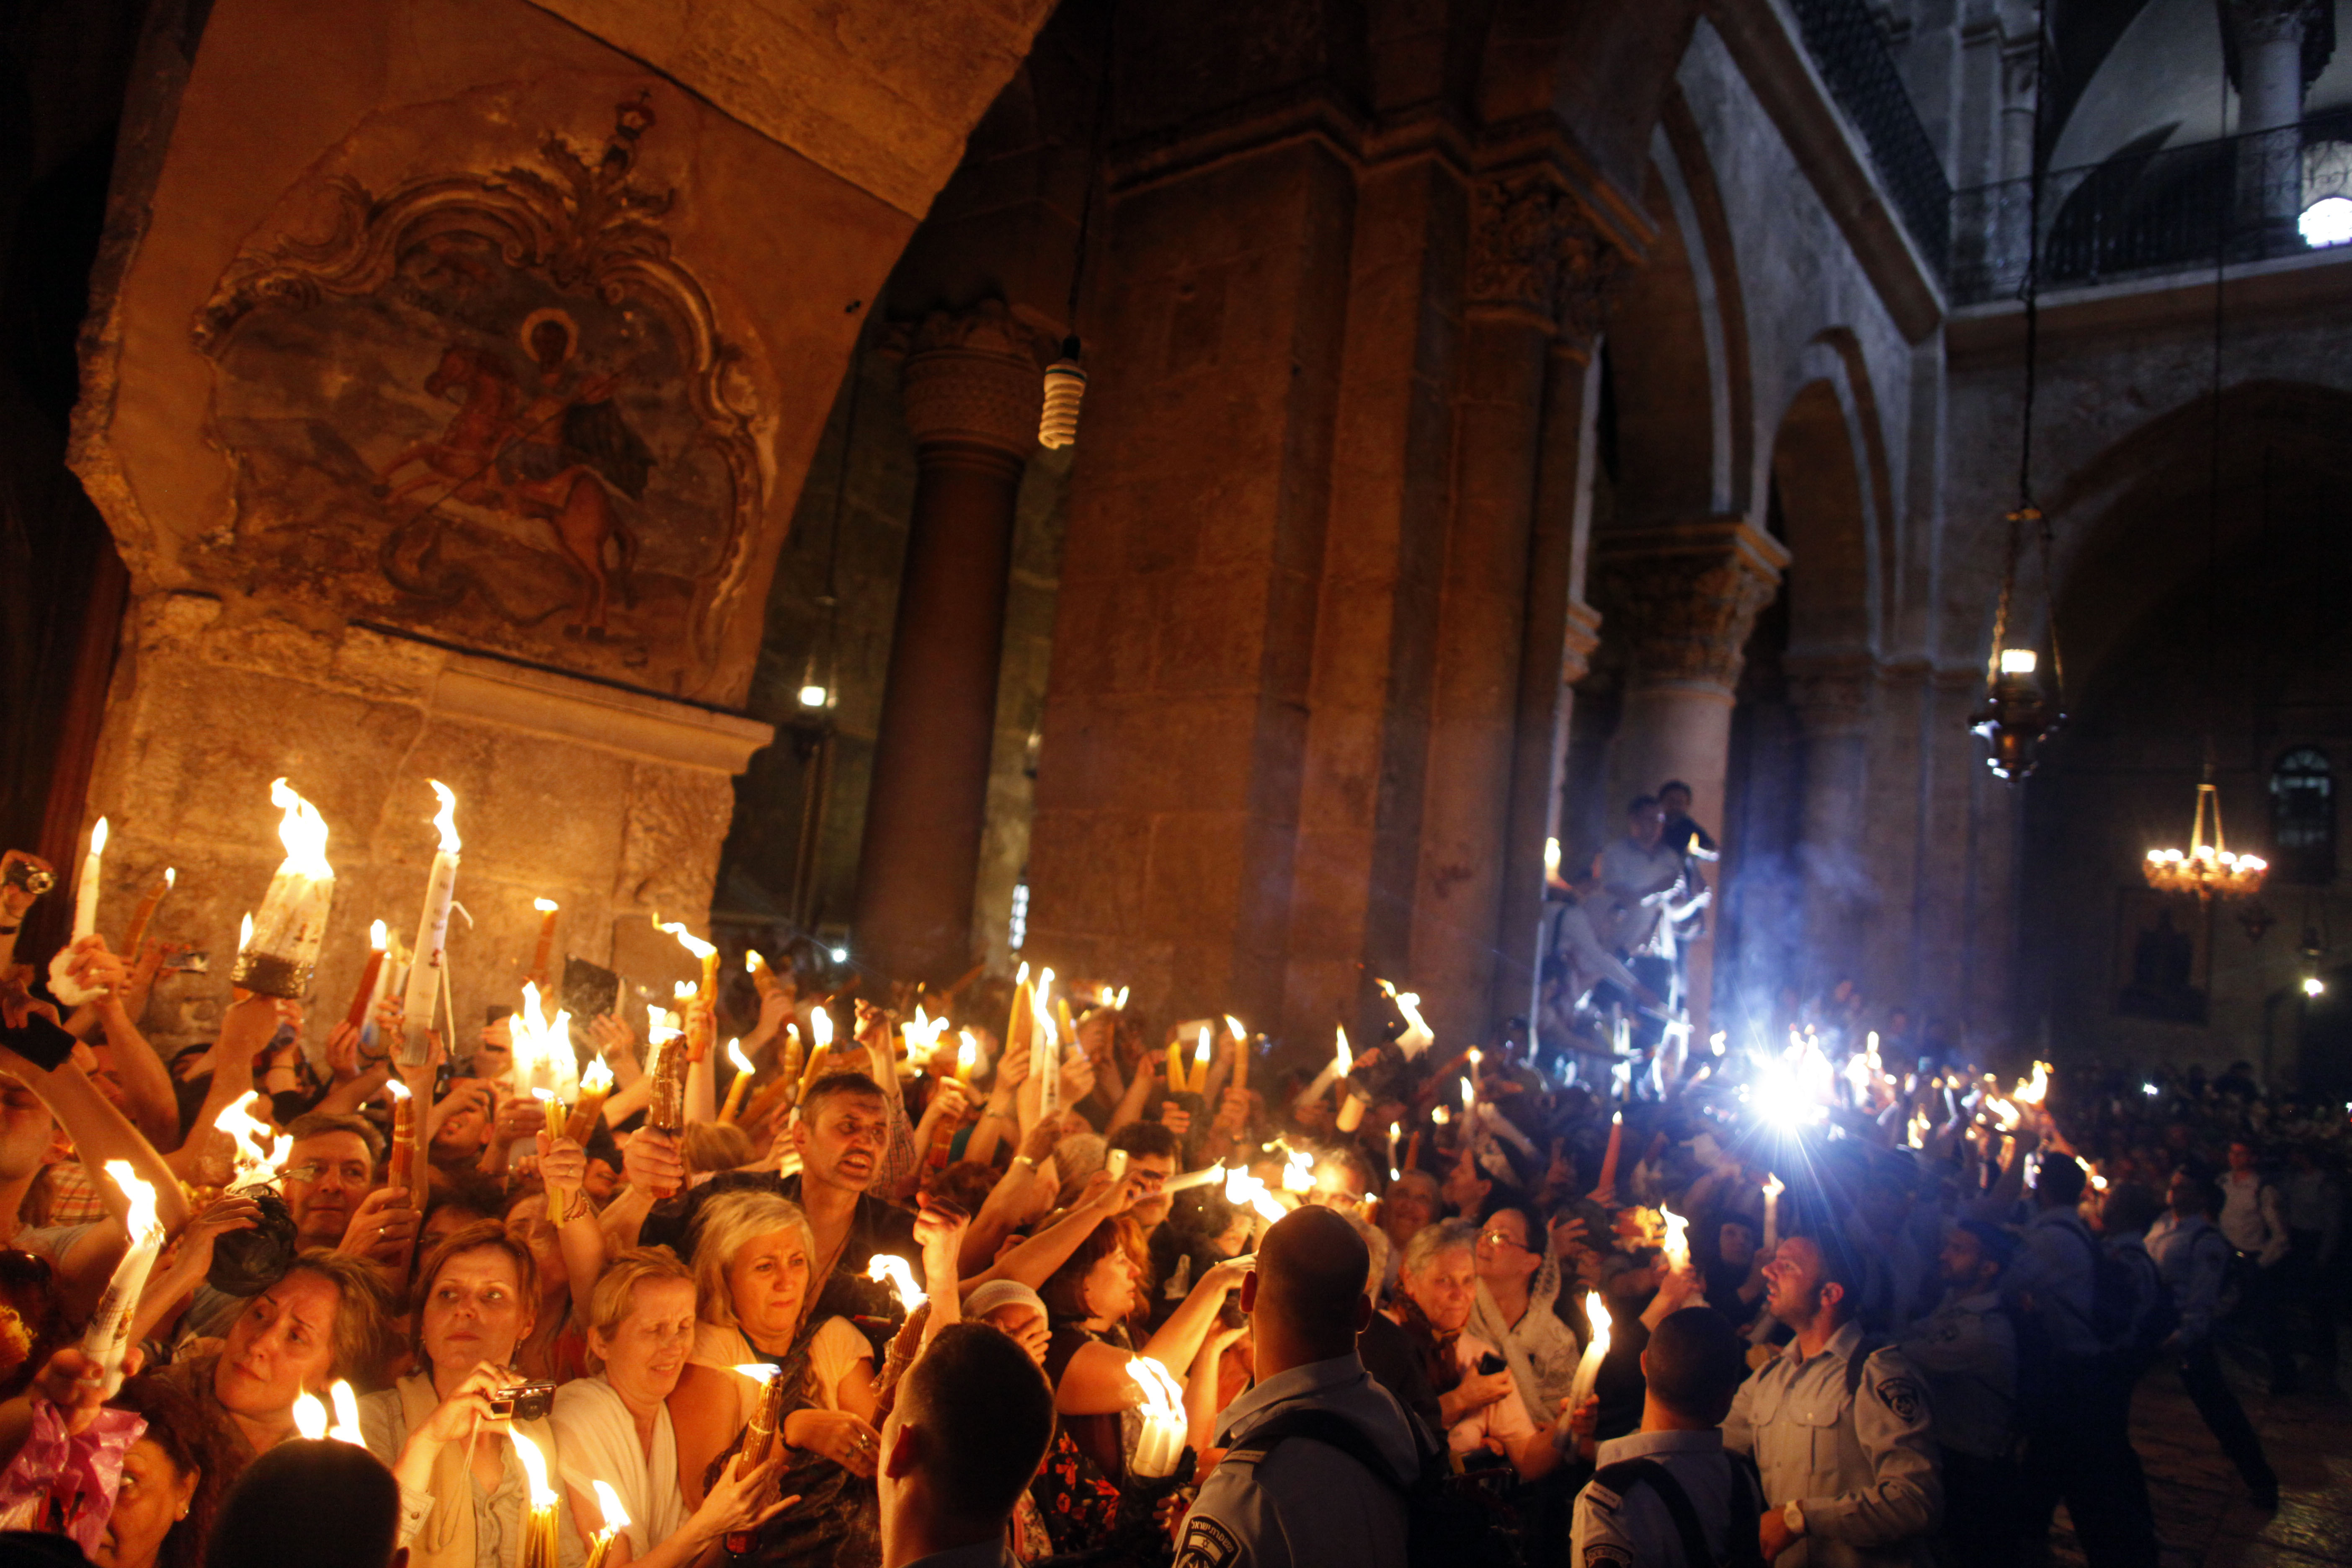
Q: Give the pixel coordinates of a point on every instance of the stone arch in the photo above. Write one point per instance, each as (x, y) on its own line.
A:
(1822, 469)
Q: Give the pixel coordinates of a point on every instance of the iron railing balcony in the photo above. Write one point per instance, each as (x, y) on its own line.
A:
(1850, 52)
(2253, 197)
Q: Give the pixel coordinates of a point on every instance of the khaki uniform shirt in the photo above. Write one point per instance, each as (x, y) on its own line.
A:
(1634, 1530)
(1861, 1467)
(1966, 1350)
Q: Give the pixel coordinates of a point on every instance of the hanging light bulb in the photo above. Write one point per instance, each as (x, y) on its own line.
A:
(1065, 388)
(2018, 715)
(817, 693)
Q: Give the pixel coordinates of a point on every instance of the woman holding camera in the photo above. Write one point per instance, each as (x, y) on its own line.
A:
(444, 1428)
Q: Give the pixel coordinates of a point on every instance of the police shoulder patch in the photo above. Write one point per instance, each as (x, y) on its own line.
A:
(1602, 1498)
(1598, 1553)
(1903, 1397)
(1207, 1545)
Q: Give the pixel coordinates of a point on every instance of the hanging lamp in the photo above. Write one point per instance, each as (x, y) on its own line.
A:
(2209, 870)
(1065, 378)
(2019, 712)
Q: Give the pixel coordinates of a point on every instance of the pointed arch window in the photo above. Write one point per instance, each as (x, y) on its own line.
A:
(2303, 819)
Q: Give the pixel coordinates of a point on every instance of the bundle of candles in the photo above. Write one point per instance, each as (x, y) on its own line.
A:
(539, 1545)
(760, 1433)
(1159, 1449)
(282, 949)
(426, 963)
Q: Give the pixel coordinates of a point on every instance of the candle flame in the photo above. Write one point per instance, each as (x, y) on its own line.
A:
(534, 1465)
(171, 876)
(1469, 1093)
(688, 941)
(399, 1090)
(735, 1054)
(540, 1043)
(1021, 976)
(684, 991)
(752, 962)
(245, 933)
(1233, 1024)
(445, 821)
(890, 1268)
(1201, 1051)
(968, 1053)
(1677, 1238)
(346, 1429)
(757, 1371)
(661, 1026)
(1773, 1185)
(545, 906)
(820, 1028)
(1244, 1189)
(1596, 1313)
(609, 1502)
(1119, 1003)
(1161, 1396)
(309, 1416)
(252, 1162)
(140, 1193)
(98, 834)
(378, 938)
(1343, 1060)
(598, 1079)
(2033, 1090)
(544, 1095)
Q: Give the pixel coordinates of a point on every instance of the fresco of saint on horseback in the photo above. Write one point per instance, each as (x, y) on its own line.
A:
(542, 447)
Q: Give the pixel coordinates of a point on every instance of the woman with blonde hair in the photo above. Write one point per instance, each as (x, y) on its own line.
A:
(615, 1425)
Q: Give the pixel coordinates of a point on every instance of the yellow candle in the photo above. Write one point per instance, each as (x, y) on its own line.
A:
(539, 961)
(1175, 1067)
(616, 1519)
(1241, 1052)
(742, 1080)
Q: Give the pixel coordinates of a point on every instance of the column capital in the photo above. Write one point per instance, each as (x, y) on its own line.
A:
(1687, 594)
(1582, 635)
(1834, 694)
(1535, 252)
(2267, 21)
(973, 378)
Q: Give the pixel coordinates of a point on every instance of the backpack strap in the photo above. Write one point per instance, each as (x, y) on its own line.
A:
(1324, 1426)
(1743, 1548)
(1625, 1473)
(1859, 1362)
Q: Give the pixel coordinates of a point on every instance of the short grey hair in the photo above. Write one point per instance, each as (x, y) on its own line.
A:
(1434, 1240)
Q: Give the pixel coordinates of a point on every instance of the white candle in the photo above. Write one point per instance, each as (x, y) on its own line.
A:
(85, 921)
(1773, 1188)
(109, 1328)
(1342, 1063)
(1588, 1367)
(1045, 1052)
(1161, 1444)
(425, 959)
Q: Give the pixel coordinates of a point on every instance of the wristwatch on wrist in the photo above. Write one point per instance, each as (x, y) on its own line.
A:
(1793, 1515)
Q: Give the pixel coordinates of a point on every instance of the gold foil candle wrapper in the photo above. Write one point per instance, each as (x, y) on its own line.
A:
(665, 1085)
(595, 1087)
(403, 1135)
(759, 1435)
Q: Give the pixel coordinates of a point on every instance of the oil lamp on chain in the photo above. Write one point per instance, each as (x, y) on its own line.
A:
(2019, 713)
(2206, 871)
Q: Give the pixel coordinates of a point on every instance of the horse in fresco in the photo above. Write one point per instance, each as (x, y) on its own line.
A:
(545, 453)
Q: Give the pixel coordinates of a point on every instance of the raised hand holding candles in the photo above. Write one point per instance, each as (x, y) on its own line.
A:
(284, 948)
(427, 958)
(743, 1071)
(539, 1542)
(108, 1335)
(616, 1519)
(1588, 1366)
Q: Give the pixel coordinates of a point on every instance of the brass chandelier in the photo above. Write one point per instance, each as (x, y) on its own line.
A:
(2206, 870)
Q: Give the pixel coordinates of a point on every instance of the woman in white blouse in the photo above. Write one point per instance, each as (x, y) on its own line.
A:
(615, 1426)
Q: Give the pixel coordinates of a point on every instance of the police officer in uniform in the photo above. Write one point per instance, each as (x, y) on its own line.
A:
(1966, 1350)
(1840, 1431)
(1668, 1494)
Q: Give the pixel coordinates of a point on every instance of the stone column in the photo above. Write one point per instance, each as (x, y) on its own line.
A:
(2269, 37)
(971, 386)
(1562, 631)
(1501, 627)
(1684, 596)
(1835, 699)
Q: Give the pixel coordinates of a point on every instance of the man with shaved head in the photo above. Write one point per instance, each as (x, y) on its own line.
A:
(1318, 1453)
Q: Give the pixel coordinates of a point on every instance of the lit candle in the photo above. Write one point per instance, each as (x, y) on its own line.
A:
(888, 1268)
(93, 870)
(539, 1545)
(1677, 1247)
(763, 979)
(790, 1075)
(1200, 1084)
(1607, 1185)
(559, 1199)
(743, 1070)
(255, 1165)
(309, 1416)
(760, 1433)
(284, 948)
(1773, 1188)
(966, 1056)
(1417, 1036)
(144, 912)
(425, 959)
(1159, 1447)
(539, 960)
(665, 1076)
(403, 1135)
(821, 1037)
(346, 1429)
(616, 1519)
(595, 1086)
(1241, 1052)
(1016, 1028)
(1045, 1055)
(1175, 1067)
(707, 954)
(363, 993)
(1588, 1366)
(108, 1335)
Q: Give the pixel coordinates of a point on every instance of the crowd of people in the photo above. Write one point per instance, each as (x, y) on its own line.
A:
(1053, 1284)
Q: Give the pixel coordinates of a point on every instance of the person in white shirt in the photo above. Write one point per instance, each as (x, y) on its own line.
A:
(2255, 1223)
(1476, 1397)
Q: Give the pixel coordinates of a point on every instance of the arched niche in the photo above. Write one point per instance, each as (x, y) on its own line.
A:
(1820, 467)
